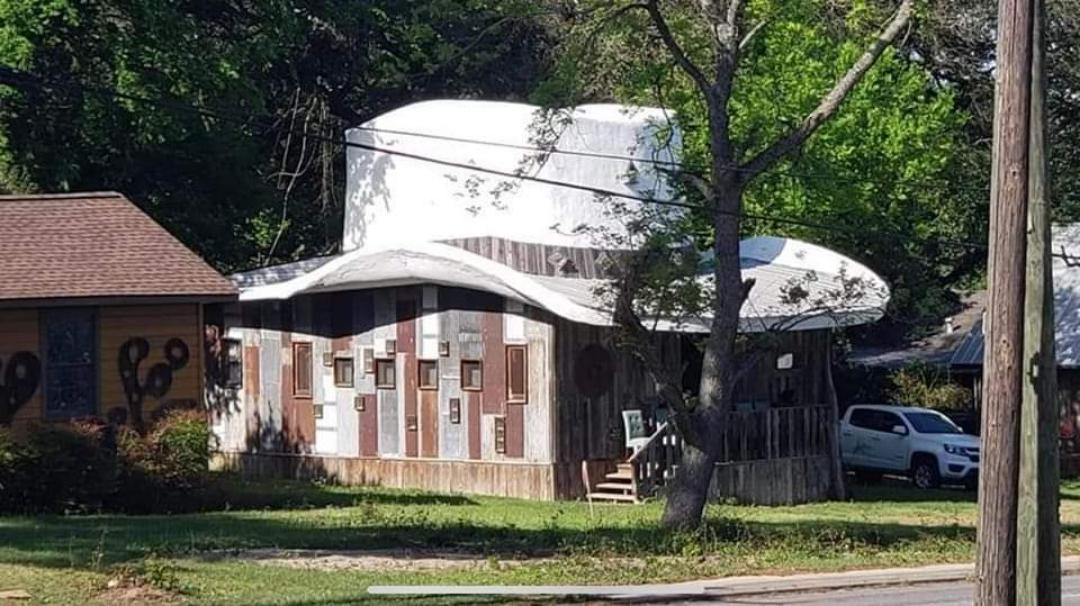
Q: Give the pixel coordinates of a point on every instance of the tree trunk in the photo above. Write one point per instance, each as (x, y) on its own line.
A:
(687, 494)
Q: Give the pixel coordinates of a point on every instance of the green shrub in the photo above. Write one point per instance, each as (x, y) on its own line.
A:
(926, 386)
(166, 470)
(72, 470)
(181, 442)
(88, 466)
(15, 478)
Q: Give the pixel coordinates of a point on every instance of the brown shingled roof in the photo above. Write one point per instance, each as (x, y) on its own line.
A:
(95, 245)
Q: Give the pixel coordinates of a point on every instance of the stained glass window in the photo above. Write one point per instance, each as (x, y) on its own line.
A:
(70, 363)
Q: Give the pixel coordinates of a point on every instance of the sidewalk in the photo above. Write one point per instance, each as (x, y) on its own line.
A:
(719, 588)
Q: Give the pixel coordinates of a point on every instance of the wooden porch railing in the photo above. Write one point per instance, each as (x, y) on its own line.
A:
(654, 463)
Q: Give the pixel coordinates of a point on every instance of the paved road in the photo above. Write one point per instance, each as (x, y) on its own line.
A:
(937, 594)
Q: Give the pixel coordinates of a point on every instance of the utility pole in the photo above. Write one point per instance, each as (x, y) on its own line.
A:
(1038, 565)
(995, 583)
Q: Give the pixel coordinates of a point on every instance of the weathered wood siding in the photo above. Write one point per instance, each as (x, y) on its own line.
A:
(497, 478)
(786, 481)
(802, 384)
(589, 421)
(405, 325)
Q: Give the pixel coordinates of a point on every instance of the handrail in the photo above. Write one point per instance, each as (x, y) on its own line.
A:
(662, 428)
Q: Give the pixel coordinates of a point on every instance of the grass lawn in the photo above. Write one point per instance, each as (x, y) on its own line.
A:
(72, 559)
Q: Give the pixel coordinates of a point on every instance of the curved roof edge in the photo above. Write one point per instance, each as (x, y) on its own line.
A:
(575, 299)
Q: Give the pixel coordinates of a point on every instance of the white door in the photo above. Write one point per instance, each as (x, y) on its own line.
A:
(326, 424)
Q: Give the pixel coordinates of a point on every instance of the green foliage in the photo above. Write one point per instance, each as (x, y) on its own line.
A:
(235, 187)
(923, 385)
(87, 466)
(881, 175)
(68, 468)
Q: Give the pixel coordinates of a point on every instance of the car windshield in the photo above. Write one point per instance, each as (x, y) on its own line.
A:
(929, 422)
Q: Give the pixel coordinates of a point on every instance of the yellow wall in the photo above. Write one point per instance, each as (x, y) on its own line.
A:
(157, 324)
(19, 331)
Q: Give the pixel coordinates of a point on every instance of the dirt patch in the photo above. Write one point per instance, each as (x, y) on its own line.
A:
(377, 559)
(136, 594)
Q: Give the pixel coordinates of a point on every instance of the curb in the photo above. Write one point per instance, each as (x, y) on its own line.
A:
(719, 588)
(946, 573)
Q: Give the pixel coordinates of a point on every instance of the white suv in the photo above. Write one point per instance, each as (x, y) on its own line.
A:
(917, 442)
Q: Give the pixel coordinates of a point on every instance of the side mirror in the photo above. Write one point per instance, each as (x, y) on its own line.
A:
(899, 430)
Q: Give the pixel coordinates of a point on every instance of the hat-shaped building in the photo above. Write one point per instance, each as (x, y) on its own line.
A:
(460, 340)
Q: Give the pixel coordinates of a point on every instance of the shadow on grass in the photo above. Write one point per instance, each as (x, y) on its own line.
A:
(80, 542)
(230, 492)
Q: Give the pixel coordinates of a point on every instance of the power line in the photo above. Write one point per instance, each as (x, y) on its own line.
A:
(11, 76)
(245, 118)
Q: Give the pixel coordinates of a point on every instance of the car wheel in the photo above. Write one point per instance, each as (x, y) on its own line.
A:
(924, 474)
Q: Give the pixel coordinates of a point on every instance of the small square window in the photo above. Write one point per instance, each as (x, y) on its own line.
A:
(360, 403)
(429, 374)
(317, 411)
(455, 411)
(785, 361)
(472, 375)
(233, 371)
(516, 374)
(500, 435)
(369, 360)
(385, 374)
(391, 347)
(302, 370)
(411, 423)
(444, 348)
(343, 372)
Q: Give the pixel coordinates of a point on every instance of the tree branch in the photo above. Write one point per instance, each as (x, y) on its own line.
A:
(749, 37)
(677, 52)
(642, 346)
(831, 102)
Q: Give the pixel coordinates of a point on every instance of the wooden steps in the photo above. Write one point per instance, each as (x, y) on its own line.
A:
(617, 486)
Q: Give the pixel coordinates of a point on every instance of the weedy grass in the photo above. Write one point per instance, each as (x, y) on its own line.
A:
(71, 559)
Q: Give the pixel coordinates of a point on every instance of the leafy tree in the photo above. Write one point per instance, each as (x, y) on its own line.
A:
(750, 82)
(241, 184)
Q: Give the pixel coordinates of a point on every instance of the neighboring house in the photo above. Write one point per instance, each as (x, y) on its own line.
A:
(959, 349)
(459, 342)
(100, 311)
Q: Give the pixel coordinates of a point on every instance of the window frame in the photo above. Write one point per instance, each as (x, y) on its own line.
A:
(47, 366)
(380, 363)
(499, 434)
(468, 386)
(420, 365)
(351, 379)
(296, 391)
(228, 363)
(523, 397)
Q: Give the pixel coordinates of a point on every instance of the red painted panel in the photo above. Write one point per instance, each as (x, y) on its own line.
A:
(515, 430)
(491, 328)
(429, 423)
(289, 436)
(474, 423)
(406, 345)
(252, 385)
(369, 426)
